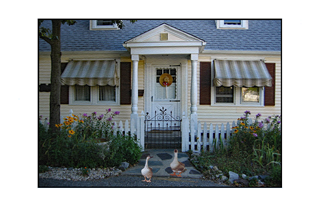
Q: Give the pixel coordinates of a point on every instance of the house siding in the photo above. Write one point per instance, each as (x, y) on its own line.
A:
(44, 97)
(224, 114)
(206, 113)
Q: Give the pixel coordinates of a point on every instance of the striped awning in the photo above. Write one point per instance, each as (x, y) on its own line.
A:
(91, 72)
(241, 73)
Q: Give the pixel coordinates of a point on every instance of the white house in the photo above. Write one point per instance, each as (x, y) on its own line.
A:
(208, 70)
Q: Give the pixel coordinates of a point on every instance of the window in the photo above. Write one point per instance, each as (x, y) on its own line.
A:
(250, 95)
(94, 95)
(82, 93)
(102, 24)
(237, 96)
(224, 95)
(166, 92)
(232, 24)
(107, 93)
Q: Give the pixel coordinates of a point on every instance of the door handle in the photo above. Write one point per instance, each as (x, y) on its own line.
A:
(151, 98)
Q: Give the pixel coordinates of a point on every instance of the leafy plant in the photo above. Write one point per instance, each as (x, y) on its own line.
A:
(85, 171)
(123, 148)
(76, 143)
(43, 168)
(253, 149)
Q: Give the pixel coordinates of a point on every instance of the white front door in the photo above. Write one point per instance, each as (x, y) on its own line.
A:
(165, 99)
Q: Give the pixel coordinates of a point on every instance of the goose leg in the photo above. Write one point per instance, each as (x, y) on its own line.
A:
(149, 181)
(145, 179)
(179, 175)
(174, 174)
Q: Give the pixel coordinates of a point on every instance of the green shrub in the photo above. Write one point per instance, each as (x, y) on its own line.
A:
(253, 149)
(275, 178)
(263, 143)
(75, 144)
(43, 168)
(123, 148)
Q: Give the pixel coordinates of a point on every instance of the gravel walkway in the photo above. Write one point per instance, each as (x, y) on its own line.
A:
(127, 181)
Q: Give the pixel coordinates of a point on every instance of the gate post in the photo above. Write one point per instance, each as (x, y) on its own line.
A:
(185, 133)
(140, 131)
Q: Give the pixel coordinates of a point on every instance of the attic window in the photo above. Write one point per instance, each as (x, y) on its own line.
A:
(102, 24)
(232, 24)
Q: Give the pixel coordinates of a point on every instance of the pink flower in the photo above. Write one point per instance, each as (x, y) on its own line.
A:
(85, 115)
(261, 124)
(117, 112)
(109, 119)
(108, 110)
(100, 117)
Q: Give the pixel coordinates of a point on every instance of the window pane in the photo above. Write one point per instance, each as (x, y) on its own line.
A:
(104, 22)
(250, 94)
(232, 22)
(82, 93)
(165, 92)
(107, 93)
(224, 94)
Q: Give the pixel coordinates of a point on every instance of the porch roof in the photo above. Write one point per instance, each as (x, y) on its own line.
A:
(241, 73)
(91, 72)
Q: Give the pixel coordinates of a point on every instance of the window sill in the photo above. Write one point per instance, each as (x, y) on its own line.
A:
(83, 103)
(228, 105)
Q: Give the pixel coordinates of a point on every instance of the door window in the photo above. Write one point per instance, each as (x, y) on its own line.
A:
(163, 91)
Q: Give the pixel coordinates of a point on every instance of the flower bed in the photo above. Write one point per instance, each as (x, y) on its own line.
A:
(86, 141)
(253, 149)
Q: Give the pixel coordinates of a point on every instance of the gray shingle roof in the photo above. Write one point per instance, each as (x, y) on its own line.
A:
(262, 35)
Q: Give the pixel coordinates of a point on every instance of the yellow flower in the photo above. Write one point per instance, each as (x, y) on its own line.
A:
(242, 123)
(69, 136)
(236, 131)
(251, 127)
(246, 127)
(71, 131)
(81, 121)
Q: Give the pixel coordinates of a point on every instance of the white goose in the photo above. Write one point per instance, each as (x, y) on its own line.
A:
(147, 171)
(176, 166)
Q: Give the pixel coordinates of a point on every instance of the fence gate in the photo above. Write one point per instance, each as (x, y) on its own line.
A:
(163, 131)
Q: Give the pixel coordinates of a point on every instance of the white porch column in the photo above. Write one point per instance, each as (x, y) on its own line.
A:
(194, 88)
(134, 93)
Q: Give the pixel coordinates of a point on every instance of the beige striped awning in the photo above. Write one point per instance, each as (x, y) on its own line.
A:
(91, 72)
(241, 73)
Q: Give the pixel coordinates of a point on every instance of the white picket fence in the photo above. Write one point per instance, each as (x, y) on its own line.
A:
(195, 137)
(206, 136)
